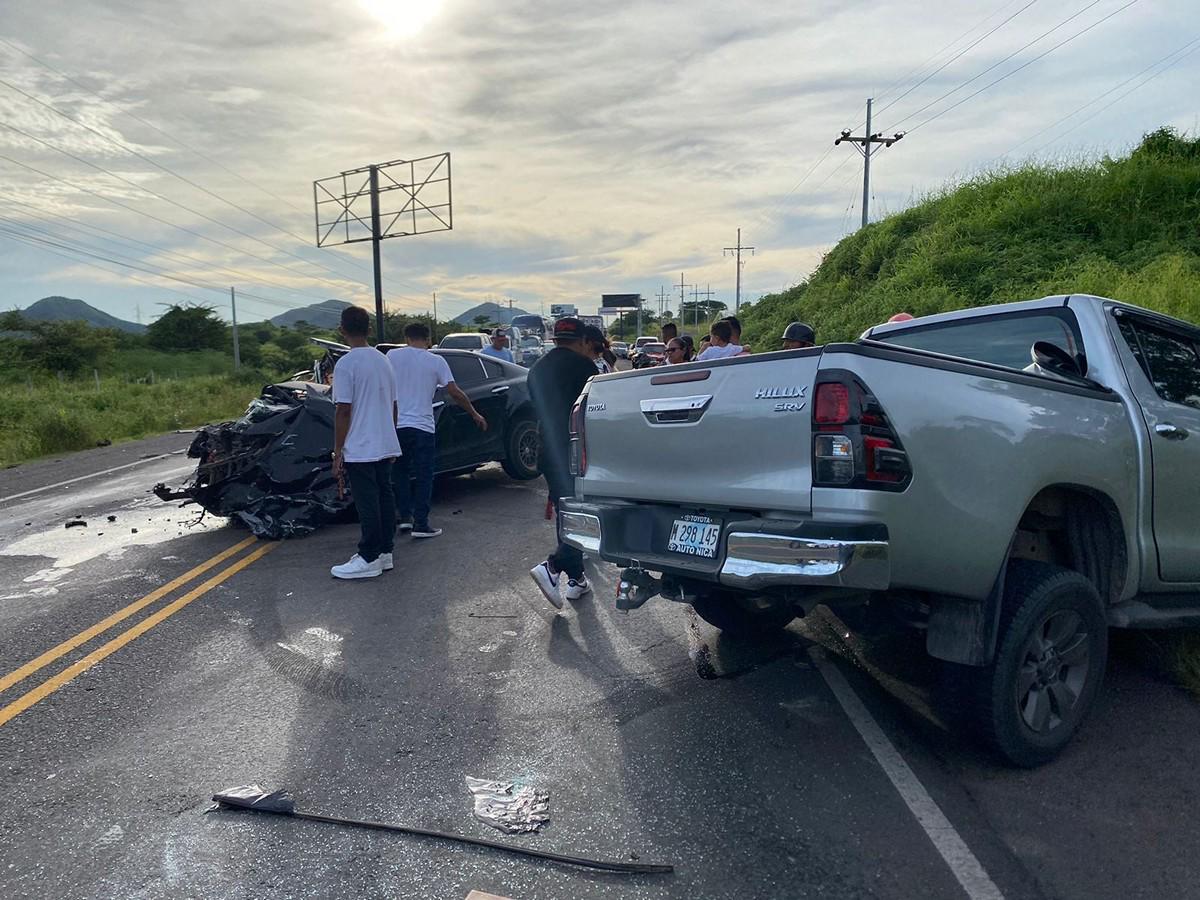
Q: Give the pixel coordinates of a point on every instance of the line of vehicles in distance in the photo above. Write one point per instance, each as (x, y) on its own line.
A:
(529, 337)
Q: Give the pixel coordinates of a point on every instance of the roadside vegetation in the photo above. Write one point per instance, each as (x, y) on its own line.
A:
(1123, 228)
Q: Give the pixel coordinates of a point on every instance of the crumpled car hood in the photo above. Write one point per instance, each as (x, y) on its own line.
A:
(270, 469)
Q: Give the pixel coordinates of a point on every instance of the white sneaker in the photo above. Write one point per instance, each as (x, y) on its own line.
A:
(577, 587)
(426, 531)
(357, 567)
(547, 581)
(385, 560)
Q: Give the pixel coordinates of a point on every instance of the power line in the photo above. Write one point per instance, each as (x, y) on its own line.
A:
(175, 203)
(1024, 65)
(960, 53)
(146, 159)
(128, 112)
(236, 275)
(920, 68)
(155, 271)
(135, 263)
(864, 146)
(1179, 55)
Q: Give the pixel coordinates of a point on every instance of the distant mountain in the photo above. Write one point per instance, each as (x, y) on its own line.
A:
(326, 314)
(67, 309)
(494, 312)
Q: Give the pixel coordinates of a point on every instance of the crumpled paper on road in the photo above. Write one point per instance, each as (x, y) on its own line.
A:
(508, 807)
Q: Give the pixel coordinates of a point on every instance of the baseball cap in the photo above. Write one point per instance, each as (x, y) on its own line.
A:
(568, 329)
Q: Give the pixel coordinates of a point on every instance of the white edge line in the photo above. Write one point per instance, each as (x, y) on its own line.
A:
(946, 840)
(56, 484)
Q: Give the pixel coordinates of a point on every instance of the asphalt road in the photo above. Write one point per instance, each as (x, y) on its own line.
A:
(815, 764)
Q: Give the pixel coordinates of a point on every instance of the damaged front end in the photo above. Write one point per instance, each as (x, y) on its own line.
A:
(270, 469)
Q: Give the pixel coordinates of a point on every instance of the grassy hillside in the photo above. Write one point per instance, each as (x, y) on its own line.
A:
(1124, 228)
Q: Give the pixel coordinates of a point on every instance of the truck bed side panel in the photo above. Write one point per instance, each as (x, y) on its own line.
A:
(981, 447)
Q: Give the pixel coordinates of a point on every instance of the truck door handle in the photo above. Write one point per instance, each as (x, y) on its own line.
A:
(1170, 431)
(500, 390)
(439, 404)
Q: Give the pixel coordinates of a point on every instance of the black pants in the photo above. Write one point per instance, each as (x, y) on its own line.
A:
(565, 558)
(371, 486)
(413, 475)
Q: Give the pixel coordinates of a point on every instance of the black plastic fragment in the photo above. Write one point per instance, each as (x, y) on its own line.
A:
(76, 523)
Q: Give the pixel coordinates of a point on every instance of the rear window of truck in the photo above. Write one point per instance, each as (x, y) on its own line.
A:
(1002, 340)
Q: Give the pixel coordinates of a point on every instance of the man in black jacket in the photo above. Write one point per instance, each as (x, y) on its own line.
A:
(555, 381)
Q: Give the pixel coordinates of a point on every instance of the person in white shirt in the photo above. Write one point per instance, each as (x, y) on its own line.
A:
(498, 350)
(365, 444)
(418, 374)
(722, 345)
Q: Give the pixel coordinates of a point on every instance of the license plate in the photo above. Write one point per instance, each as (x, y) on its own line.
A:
(695, 536)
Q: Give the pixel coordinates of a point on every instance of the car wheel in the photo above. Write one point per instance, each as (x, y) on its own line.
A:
(522, 449)
(1049, 663)
(737, 614)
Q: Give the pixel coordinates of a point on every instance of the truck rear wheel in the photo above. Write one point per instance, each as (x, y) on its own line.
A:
(736, 614)
(1050, 661)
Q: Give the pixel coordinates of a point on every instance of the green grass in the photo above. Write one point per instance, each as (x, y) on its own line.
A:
(141, 363)
(1122, 228)
(45, 416)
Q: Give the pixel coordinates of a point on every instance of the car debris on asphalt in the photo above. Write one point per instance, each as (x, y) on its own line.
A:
(508, 807)
(255, 798)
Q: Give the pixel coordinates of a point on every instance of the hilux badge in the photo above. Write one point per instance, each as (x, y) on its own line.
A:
(779, 393)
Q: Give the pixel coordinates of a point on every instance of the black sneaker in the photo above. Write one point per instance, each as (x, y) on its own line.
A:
(425, 531)
(404, 525)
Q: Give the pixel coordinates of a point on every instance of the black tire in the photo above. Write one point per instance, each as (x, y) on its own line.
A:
(522, 448)
(735, 614)
(1050, 659)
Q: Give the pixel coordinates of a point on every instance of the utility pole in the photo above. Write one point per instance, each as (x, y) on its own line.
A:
(237, 353)
(510, 312)
(376, 237)
(662, 298)
(737, 251)
(696, 295)
(434, 329)
(681, 286)
(863, 145)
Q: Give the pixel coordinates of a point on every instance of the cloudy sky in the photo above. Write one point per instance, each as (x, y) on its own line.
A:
(597, 146)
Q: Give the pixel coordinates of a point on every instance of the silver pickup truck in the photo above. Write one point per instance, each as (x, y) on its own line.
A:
(1013, 479)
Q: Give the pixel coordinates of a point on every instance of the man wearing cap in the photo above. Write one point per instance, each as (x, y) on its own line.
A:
(555, 381)
(498, 350)
(797, 336)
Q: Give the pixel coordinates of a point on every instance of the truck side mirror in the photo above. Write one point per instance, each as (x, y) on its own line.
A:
(1054, 358)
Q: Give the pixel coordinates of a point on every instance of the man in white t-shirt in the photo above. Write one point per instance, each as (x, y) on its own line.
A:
(365, 445)
(418, 374)
(721, 345)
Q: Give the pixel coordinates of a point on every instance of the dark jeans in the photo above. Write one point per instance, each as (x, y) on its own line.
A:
(565, 558)
(413, 477)
(371, 486)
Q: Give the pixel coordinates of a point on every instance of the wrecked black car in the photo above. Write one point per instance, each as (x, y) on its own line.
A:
(271, 469)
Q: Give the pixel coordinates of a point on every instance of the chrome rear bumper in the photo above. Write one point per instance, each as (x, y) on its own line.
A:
(754, 561)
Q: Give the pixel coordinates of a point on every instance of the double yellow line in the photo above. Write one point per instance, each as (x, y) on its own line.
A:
(48, 687)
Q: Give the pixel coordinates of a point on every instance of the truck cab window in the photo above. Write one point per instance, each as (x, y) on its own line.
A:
(1169, 360)
(1001, 340)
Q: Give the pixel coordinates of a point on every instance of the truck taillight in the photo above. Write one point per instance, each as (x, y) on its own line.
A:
(832, 406)
(578, 437)
(854, 444)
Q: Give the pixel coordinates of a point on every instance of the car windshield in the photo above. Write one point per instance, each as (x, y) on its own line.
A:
(461, 342)
(530, 342)
(654, 348)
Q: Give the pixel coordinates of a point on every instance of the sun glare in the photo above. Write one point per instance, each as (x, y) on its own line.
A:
(402, 18)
